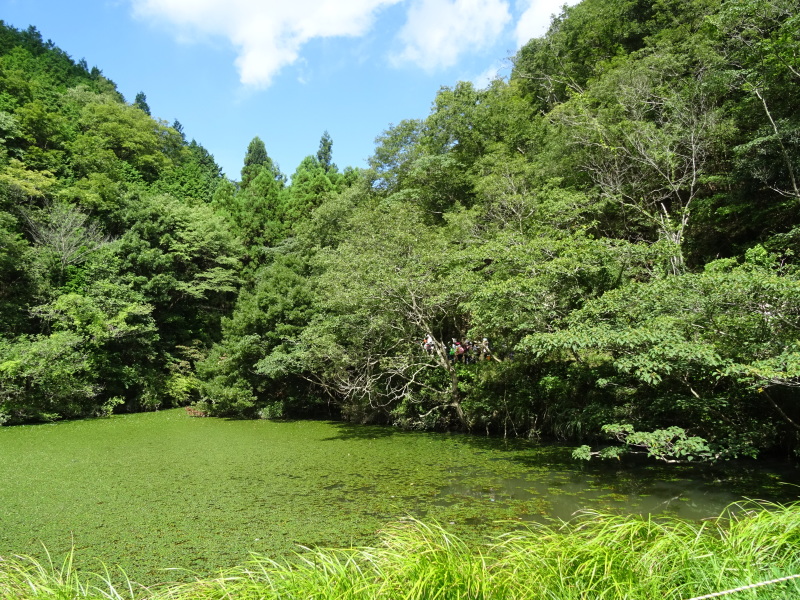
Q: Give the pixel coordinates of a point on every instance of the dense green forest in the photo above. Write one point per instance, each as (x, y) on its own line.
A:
(618, 220)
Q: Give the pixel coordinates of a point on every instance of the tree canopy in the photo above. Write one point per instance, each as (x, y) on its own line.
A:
(601, 248)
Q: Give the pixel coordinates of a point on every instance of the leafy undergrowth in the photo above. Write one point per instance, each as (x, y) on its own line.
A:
(594, 556)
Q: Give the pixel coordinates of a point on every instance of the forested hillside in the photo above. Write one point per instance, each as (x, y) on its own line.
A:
(611, 233)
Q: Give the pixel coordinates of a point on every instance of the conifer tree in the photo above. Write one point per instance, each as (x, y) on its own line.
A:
(254, 160)
(325, 153)
(141, 103)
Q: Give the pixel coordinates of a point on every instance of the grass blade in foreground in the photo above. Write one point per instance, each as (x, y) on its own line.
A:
(593, 557)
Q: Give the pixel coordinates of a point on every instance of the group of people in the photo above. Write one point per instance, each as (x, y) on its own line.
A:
(465, 351)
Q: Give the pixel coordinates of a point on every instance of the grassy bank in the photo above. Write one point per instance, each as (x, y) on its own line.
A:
(594, 556)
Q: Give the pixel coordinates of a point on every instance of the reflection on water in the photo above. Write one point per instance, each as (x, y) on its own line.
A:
(633, 487)
(475, 485)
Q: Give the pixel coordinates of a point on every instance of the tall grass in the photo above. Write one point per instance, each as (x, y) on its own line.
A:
(594, 556)
(607, 556)
(25, 578)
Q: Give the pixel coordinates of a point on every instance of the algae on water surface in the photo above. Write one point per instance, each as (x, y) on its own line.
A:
(149, 490)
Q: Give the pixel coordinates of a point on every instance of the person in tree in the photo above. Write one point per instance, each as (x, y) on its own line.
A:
(468, 349)
(485, 352)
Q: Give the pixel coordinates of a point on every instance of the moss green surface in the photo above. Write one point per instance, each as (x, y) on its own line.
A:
(148, 490)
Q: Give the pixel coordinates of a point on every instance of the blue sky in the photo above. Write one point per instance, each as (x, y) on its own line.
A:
(287, 70)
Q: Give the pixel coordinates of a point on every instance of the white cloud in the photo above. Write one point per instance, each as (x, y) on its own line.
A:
(489, 75)
(536, 18)
(438, 32)
(267, 33)
(270, 34)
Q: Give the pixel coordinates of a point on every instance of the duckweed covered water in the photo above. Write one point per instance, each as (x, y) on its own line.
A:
(151, 490)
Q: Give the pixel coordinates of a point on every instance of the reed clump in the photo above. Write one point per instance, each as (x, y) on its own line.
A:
(594, 556)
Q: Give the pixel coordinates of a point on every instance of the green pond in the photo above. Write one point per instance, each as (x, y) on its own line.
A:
(156, 490)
